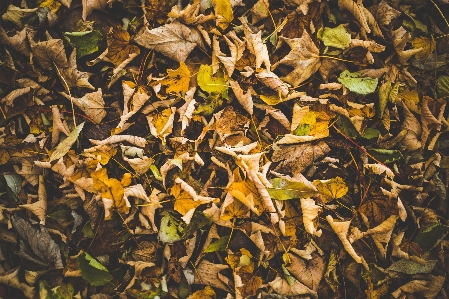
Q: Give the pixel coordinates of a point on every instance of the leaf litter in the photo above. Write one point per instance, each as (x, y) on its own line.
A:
(223, 149)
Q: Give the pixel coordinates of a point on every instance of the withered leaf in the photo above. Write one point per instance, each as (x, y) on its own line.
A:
(36, 244)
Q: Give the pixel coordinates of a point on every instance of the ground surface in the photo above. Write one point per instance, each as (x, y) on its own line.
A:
(223, 149)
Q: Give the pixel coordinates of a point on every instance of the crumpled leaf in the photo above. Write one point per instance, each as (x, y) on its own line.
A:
(90, 5)
(174, 40)
(303, 57)
(112, 191)
(244, 99)
(282, 287)
(36, 244)
(11, 278)
(72, 77)
(16, 14)
(310, 216)
(66, 144)
(256, 46)
(223, 12)
(189, 15)
(39, 208)
(161, 124)
(341, 229)
(358, 84)
(50, 52)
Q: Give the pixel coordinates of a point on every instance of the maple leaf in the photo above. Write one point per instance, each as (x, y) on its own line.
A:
(304, 57)
(91, 103)
(174, 40)
(119, 47)
(49, 52)
(72, 77)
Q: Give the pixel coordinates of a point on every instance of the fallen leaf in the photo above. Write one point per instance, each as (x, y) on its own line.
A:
(66, 144)
(303, 57)
(16, 14)
(85, 42)
(174, 40)
(355, 83)
(177, 81)
(90, 5)
(11, 278)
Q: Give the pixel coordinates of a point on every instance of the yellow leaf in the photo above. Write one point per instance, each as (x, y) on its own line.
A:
(207, 293)
(331, 189)
(320, 129)
(111, 192)
(52, 5)
(246, 192)
(223, 11)
(126, 179)
(426, 44)
(308, 119)
(236, 209)
(411, 99)
(163, 122)
(177, 81)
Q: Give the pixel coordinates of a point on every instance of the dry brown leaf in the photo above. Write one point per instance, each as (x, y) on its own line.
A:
(90, 5)
(272, 81)
(39, 208)
(303, 57)
(8, 100)
(308, 272)
(282, 287)
(119, 47)
(295, 158)
(341, 229)
(207, 273)
(256, 46)
(384, 13)
(92, 104)
(49, 52)
(16, 14)
(413, 128)
(236, 47)
(189, 15)
(17, 42)
(310, 216)
(11, 278)
(400, 38)
(174, 40)
(71, 77)
(244, 99)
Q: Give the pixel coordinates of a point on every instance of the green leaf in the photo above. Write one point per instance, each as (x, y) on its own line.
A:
(85, 42)
(415, 24)
(385, 155)
(66, 144)
(210, 104)
(171, 229)
(199, 220)
(384, 94)
(336, 37)
(285, 190)
(63, 291)
(94, 272)
(371, 133)
(14, 182)
(430, 237)
(346, 127)
(302, 130)
(358, 84)
(156, 172)
(212, 83)
(219, 245)
(443, 86)
(410, 267)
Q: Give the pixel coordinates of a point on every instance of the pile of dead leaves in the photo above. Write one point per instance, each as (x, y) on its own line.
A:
(224, 149)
